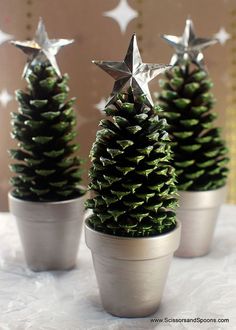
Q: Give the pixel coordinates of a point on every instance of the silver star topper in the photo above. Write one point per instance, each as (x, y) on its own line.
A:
(41, 49)
(132, 71)
(188, 47)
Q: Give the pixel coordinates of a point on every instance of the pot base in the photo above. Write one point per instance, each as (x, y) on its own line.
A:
(50, 246)
(198, 214)
(49, 232)
(197, 232)
(131, 271)
(49, 268)
(143, 280)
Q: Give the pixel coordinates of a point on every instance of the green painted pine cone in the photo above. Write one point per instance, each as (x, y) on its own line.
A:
(131, 175)
(199, 152)
(46, 167)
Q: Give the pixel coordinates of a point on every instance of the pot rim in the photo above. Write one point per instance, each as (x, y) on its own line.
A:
(202, 191)
(189, 199)
(65, 201)
(132, 248)
(178, 224)
(47, 212)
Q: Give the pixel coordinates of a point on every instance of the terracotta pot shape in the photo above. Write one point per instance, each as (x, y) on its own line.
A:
(198, 213)
(50, 232)
(131, 272)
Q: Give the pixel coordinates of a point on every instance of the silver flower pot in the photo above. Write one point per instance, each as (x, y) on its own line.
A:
(131, 272)
(49, 232)
(198, 213)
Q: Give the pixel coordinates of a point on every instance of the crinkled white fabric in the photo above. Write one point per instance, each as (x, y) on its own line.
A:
(202, 287)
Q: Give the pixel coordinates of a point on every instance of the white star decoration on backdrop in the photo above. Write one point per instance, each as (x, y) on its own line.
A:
(222, 35)
(5, 37)
(123, 14)
(5, 98)
(101, 105)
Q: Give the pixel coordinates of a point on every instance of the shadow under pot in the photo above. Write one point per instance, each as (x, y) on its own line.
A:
(50, 232)
(198, 212)
(131, 271)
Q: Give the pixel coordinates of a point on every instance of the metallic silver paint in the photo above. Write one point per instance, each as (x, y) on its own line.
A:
(198, 213)
(188, 46)
(41, 48)
(131, 272)
(132, 71)
(49, 232)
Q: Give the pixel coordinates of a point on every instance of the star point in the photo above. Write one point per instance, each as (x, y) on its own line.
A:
(101, 105)
(41, 48)
(188, 47)
(132, 71)
(5, 37)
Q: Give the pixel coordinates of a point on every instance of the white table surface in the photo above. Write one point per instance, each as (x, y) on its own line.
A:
(202, 287)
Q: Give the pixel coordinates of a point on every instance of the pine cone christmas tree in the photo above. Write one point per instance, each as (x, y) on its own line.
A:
(199, 151)
(131, 175)
(46, 169)
(45, 129)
